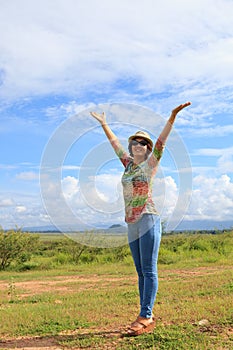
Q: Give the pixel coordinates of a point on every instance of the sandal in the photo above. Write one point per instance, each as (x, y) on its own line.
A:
(141, 325)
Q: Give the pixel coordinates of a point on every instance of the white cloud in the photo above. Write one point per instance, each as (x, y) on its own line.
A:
(155, 53)
(70, 167)
(101, 194)
(215, 152)
(7, 167)
(78, 46)
(67, 110)
(69, 187)
(20, 208)
(165, 195)
(210, 131)
(100, 199)
(224, 164)
(6, 202)
(108, 186)
(27, 176)
(212, 198)
(172, 48)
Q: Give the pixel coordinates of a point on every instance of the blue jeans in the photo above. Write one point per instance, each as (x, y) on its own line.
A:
(144, 238)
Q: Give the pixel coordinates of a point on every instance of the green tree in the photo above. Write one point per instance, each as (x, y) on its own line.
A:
(16, 245)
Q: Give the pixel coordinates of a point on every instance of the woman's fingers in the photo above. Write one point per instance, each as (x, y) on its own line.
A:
(99, 117)
(180, 107)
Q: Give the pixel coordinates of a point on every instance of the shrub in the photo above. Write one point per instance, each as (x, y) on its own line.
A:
(167, 257)
(61, 258)
(197, 242)
(16, 245)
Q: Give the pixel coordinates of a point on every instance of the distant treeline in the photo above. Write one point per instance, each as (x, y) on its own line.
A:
(198, 231)
(201, 232)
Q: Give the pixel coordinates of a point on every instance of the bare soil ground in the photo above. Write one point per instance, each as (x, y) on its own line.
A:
(58, 283)
(63, 284)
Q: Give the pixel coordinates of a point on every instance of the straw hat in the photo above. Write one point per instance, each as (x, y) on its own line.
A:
(143, 135)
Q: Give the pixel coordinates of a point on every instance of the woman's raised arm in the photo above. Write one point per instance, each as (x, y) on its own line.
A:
(160, 143)
(166, 131)
(102, 120)
(121, 153)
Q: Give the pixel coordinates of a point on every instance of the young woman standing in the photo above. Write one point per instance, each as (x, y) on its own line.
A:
(141, 216)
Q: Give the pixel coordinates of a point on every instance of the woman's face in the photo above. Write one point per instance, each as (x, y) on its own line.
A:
(139, 147)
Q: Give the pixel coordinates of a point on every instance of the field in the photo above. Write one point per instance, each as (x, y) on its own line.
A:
(53, 302)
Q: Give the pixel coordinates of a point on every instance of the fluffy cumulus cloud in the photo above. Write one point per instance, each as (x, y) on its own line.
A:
(94, 200)
(102, 204)
(100, 200)
(165, 195)
(69, 186)
(212, 198)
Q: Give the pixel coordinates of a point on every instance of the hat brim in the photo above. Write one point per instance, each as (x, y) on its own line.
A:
(133, 137)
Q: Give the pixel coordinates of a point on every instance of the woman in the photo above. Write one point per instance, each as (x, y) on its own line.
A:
(141, 216)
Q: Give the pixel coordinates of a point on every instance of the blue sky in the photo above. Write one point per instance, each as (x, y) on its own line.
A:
(137, 61)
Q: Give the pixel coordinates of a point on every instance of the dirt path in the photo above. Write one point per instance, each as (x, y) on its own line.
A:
(34, 343)
(53, 342)
(68, 284)
(64, 283)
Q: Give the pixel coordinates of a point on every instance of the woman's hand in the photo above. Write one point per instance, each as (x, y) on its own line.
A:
(102, 120)
(180, 107)
(100, 117)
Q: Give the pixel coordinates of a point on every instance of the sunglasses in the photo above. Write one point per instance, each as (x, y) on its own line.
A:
(142, 143)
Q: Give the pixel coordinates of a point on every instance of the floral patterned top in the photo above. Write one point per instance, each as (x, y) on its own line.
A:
(137, 181)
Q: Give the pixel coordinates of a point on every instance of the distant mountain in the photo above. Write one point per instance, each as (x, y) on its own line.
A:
(117, 228)
(49, 228)
(204, 225)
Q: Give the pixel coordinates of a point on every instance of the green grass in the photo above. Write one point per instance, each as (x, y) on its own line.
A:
(86, 306)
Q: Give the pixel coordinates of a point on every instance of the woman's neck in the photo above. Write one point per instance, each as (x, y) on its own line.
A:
(138, 159)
